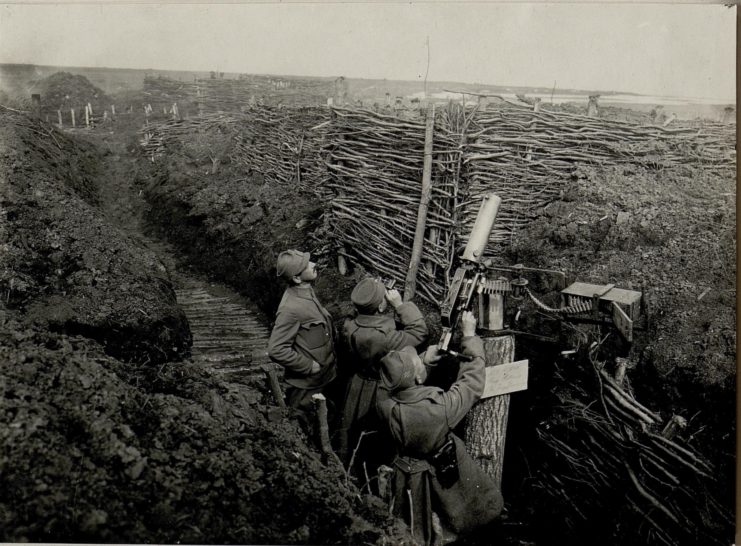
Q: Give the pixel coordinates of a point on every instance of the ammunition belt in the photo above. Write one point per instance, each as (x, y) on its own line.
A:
(580, 306)
(498, 286)
(502, 286)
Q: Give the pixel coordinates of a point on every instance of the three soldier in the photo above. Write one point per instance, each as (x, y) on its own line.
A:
(435, 480)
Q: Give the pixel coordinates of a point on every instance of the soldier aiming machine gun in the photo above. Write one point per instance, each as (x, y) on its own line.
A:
(474, 288)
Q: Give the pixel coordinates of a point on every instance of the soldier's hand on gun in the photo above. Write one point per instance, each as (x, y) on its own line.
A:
(431, 355)
(394, 298)
(468, 324)
(315, 367)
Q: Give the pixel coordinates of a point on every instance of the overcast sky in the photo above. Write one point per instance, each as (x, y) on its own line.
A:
(663, 49)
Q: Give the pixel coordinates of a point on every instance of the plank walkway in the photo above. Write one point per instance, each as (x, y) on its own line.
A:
(227, 336)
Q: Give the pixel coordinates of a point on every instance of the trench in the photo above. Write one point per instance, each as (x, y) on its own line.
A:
(228, 331)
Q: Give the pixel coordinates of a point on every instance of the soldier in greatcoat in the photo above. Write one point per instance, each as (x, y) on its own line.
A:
(302, 339)
(369, 337)
(433, 473)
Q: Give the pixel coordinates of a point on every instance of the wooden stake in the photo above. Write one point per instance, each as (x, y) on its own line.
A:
(87, 117)
(113, 109)
(410, 286)
(274, 385)
(72, 111)
(59, 115)
(320, 405)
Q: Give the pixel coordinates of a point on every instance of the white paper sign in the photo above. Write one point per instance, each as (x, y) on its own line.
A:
(505, 378)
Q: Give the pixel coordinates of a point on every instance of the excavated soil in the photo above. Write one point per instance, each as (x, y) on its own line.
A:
(113, 436)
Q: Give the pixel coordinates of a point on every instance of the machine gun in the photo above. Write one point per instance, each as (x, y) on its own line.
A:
(467, 280)
(478, 285)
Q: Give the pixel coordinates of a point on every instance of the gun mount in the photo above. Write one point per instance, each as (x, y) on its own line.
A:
(486, 288)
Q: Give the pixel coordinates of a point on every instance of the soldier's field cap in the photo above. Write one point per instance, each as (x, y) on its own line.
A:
(397, 369)
(368, 295)
(290, 263)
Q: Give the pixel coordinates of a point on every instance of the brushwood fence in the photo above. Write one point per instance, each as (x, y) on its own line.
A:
(369, 165)
(234, 95)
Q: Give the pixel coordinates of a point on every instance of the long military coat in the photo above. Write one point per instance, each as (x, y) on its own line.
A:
(420, 420)
(303, 332)
(369, 338)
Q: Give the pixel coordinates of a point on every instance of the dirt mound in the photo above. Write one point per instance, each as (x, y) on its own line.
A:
(63, 90)
(97, 450)
(669, 233)
(102, 450)
(63, 265)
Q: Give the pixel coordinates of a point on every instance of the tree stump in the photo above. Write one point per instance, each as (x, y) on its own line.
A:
(486, 427)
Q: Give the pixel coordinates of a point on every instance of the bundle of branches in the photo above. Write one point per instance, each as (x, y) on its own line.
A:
(155, 137)
(375, 164)
(284, 145)
(227, 95)
(612, 467)
(163, 89)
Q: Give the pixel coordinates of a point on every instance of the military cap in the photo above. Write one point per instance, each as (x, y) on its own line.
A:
(397, 369)
(368, 295)
(290, 263)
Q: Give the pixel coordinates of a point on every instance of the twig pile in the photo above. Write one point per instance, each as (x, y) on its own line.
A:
(155, 137)
(225, 95)
(620, 470)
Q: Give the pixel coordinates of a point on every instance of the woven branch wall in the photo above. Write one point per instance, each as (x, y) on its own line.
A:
(370, 165)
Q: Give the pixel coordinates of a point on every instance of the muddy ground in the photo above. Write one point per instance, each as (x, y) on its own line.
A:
(171, 453)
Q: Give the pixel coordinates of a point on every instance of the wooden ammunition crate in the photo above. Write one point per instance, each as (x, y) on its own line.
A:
(628, 300)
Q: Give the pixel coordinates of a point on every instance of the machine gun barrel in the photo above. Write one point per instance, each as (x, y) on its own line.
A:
(467, 279)
(479, 237)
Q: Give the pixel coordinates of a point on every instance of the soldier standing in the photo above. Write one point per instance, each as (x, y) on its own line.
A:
(370, 336)
(302, 340)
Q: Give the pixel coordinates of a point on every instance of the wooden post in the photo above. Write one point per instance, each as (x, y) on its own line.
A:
(113, 109)
(320, 405)
(274, 385)
(87, 117)
(72, 111)
(486, 426)
(59, 115)
(410, 285)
